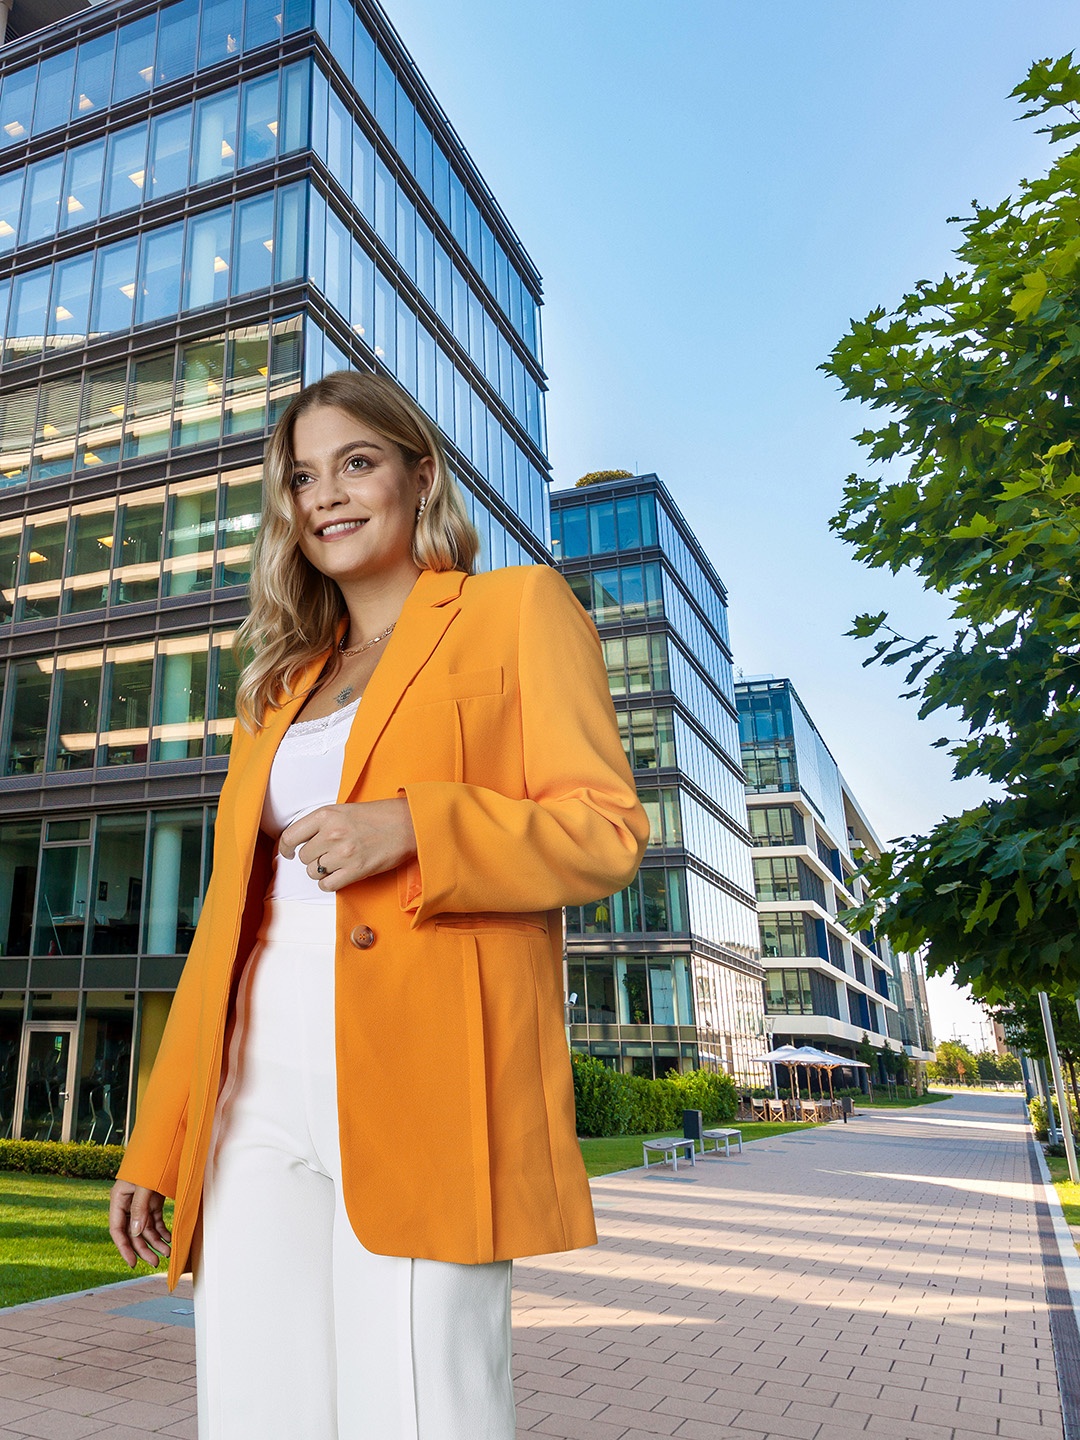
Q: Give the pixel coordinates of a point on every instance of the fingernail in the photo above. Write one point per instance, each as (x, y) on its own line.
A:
(136, 1226)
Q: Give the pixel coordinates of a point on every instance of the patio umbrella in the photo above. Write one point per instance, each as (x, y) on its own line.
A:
(827, 1061)
(775, 1057)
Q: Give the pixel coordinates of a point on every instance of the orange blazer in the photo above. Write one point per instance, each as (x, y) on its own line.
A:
(490, 712)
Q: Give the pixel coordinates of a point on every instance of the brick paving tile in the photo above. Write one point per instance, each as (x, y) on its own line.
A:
(778, 1425)
(567, 1428)
(159, 1392)
(183, 1430)
(57, 1425)
(703, 1430)
(882, 1278)
(649, 1422)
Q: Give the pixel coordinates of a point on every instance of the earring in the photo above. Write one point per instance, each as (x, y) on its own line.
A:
(422, 506)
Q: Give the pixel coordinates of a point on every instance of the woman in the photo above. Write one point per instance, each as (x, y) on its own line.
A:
(362, 1101)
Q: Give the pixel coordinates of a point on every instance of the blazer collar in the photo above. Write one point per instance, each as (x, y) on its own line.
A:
(428, 612)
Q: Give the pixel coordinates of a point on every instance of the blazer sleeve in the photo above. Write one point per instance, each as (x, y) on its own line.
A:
(581, 831)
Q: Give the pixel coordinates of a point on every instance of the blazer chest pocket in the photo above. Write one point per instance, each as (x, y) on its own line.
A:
(464, 685)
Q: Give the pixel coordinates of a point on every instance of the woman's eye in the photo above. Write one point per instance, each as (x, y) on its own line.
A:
(357, 460)
(299, 481)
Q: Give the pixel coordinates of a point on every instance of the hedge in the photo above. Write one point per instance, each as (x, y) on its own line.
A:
(1037, 1108)
(610, 1103)
(50, 1157)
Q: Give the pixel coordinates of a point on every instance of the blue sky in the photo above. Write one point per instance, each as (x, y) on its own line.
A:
(711, 190)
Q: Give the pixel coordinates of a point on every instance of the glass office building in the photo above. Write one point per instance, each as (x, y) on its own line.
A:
(826, 985)
(665, 975)
(203, 205)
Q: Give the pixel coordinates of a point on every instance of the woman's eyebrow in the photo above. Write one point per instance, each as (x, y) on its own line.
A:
(340, 451)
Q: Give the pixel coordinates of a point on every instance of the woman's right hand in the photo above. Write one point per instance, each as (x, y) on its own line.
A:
(137, 1223)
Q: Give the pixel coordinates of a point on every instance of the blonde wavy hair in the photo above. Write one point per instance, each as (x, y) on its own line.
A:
(295, 611)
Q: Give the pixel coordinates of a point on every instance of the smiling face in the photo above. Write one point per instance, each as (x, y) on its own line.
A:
(355, 497)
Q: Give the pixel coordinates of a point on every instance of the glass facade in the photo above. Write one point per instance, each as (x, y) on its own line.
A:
(203, 206)
(825, 985)
(661, 611)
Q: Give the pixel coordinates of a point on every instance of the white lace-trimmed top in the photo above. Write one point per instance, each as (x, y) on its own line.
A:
(306, 774)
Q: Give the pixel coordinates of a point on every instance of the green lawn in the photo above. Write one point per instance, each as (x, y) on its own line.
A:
(1068, 1193)
(622, 1152)
(54, 1236)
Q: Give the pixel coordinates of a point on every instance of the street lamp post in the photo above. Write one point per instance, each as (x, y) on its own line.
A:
(1059, 1087)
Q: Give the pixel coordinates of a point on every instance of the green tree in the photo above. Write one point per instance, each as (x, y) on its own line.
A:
(953, 1063)
(867, 1053)
(979, 376)
(1010, 1069)
(988, 1067)
(1021, 1019)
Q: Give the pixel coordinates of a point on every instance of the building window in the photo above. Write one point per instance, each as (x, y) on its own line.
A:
(787, 933)
(636, 664)
(648, 738)
(624, 522)
(787, 992)
(776, 825)
(665, 821)
(631, 592)
(655, 902)
(786, 878)
(19, 844)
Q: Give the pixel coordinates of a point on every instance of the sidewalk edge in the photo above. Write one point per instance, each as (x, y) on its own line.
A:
(1070, 1259)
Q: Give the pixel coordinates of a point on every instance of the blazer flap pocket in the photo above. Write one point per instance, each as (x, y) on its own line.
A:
(477, 922)
(463, 685)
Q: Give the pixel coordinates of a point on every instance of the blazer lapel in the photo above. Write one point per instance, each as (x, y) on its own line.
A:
(433, 603)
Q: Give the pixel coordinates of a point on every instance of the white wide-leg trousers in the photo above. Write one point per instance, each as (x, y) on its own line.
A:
(301, 1333)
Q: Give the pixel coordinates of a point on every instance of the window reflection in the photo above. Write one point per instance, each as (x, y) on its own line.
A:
(190, 538)
(55, 433)
(129, 679)
(43, 565)
(159, 280)
(125, 169)
(32, 681)
(19, 842)
(69, 313)
(138, 554)
(134, 58)
(215, 137)
(200, 381)
(178, 735)
(114, 288)
(53, 101)
(175, 889)
(177, 38)
(60, 923)
(118, 884)
(93, 75)
(78, 683)
(149, 413)
(41, 202)
(17, 104)
(101, 420)
(170, 149)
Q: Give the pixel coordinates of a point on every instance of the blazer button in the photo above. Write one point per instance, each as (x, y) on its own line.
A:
(363, 937)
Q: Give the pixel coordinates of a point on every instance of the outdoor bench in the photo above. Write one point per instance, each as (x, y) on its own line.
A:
(669, 1148)
(716, 1136)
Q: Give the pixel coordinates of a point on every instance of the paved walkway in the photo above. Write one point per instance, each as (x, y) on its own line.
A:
(882, 1278)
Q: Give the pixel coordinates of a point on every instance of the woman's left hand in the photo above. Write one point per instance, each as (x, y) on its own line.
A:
(340, 844)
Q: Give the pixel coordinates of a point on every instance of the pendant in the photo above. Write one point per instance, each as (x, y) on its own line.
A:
(343, 695)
